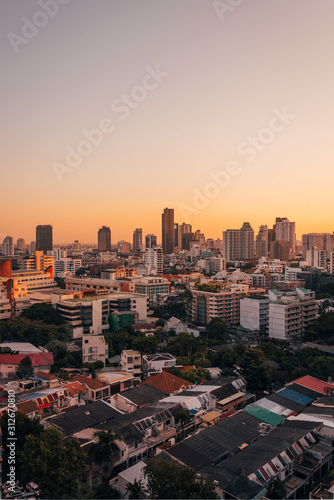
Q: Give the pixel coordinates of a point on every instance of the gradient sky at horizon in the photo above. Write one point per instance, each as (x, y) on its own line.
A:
(225, 78)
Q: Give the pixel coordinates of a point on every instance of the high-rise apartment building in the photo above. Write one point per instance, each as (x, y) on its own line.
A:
(150, 241)
(137, 240)
(124, 247)
(154, 260)
(176, 235)
(8, 246)
(104, 239)
(168, 231)
(21, 244)
(285, 231)
(261, 245)
(44, 238)
(238, 244)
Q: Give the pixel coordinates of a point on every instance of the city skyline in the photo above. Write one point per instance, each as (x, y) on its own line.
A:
(251, 87)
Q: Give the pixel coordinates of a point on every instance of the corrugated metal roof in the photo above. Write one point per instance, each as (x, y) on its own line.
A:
(267, 416)
(295, 396)
(315, 384)
(274, 407)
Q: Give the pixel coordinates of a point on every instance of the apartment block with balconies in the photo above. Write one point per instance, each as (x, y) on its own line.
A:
(131, 363)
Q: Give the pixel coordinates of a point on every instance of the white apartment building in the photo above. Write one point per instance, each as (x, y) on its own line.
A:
(8, 246)
(290, 313)
(35, 280)
(103, 286)
(154, 260)
(65, 265)
(151, 286)
(154, 363)
(88, 313)
(254, 313)
(94, 348)
(131, 363)
(316, 258)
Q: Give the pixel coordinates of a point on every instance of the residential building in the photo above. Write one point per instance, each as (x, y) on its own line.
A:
(151, 286)
(168, 231)
(124, 247)
(167, 382)
(9, 363)
(94, 348)
(150, 241)
(316, 258)
(136, 397)
(38, 261)
(131, 363)
(238, 244)
(116, 274)
(285, 231)
(8, 246)
(155, 363)
(137, 240)
(104, 239)
(44, 238)
(21, 246)
(36, 280)
(96, 388)
(224, 304)
(63, 266)
(262, 242)
(254, 313)
(89, 313)
(154, 260)
(290, 313)
(116, 381)
(331, 262)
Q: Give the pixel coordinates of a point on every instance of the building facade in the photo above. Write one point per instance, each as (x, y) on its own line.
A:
(104, 239)
(168, 231)
(44, 238)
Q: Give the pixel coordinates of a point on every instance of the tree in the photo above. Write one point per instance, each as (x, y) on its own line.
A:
(43, 312)
(145, 345)
(57, 468)
(135, 489)
(217, 329)
(98, 365)
(276, 489)
(322, 328)
(24, 426)
(182, 416)
(322, 367)
(169, 479)
(255, 371)
(106, 452)
(25, 369)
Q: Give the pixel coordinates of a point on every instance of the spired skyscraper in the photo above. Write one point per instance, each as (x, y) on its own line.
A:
(104, 239)
(44, 238)
(168, 230)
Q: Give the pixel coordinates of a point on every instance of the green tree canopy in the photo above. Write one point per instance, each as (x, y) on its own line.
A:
(106, 452)
(169, 479)
(217, 329)
(145, 345)
(58, 469)
(43, 312)
(25, 369)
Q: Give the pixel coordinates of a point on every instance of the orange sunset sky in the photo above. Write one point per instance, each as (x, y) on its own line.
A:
(226, 75)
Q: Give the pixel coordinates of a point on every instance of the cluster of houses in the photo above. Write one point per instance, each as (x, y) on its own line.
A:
(237, 443)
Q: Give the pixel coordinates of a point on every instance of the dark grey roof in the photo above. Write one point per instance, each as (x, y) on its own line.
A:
(126, 419)
(215, 443)
(84, 417)
(304, 390)
(219, 381)
(224, 392)
(287, 403)
(143, 395)
(235, 485)
(267, 447)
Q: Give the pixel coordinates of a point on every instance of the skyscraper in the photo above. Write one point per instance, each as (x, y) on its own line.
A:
(239, 243)
(20, 244)
(262, 242)
(44, 238)
(137, 239)
(285, 231)
(104, 239)
(150, 241)
(8, 246)
(168, 231)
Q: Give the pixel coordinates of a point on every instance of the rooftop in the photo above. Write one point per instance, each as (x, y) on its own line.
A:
(166, 382)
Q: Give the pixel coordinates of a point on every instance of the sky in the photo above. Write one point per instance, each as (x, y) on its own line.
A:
(115, 109)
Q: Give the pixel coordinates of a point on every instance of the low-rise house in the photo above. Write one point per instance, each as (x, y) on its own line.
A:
(9, 363)
(78, 391)
(176, 324)
(156, 363)
(131, 363)
(47, 378)
(94, 348)
(136, 397)
(116, 381)
(96, 389)
(167, 383)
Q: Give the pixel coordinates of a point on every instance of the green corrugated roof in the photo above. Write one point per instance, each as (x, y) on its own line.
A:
(263, 414)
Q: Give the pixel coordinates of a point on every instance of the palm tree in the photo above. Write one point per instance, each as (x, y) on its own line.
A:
(135, 490)
(105, 453)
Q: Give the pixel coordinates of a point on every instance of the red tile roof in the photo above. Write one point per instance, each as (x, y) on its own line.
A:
(37, 359)
(315, 384)
(45, 375)
(166, 382)
(27, 406)
(92, 383)
(75, 388)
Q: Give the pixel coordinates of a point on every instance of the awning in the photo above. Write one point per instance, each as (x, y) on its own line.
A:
(46, 405)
